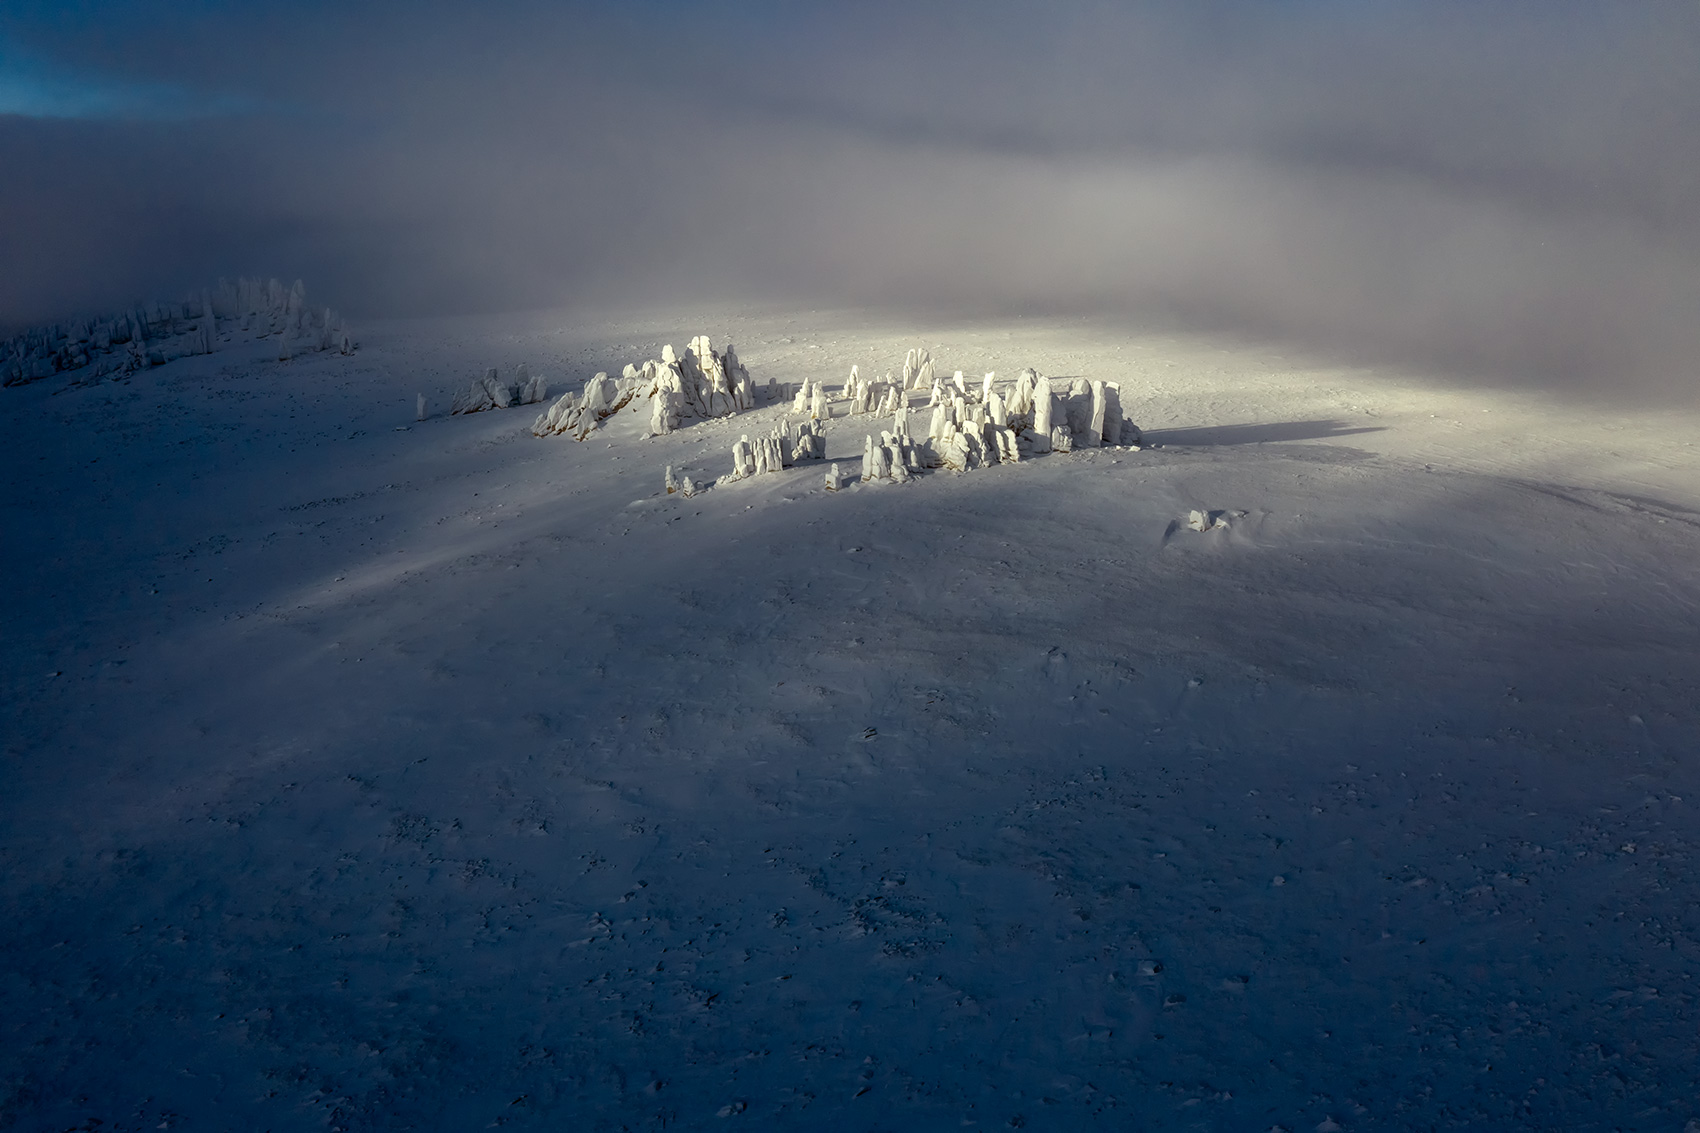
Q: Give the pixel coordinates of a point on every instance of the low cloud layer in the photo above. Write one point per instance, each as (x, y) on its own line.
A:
(1510, 191)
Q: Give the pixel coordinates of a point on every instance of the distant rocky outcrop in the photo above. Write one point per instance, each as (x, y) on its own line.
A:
(153, 334)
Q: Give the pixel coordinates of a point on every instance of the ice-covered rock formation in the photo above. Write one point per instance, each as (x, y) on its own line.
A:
(675, 389)
(917, 370)
(789, 443)
(891, 457)
(1092, 415)
(575, 415)
(153, 334)
(1042, 442)
(924, 377)
(969, 425)
(491, 392)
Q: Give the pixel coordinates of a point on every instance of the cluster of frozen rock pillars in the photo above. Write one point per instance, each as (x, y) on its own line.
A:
(970, 424)
(152, 334)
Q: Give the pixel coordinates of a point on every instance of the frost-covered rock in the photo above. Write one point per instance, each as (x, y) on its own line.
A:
(529, 390)
(743, 387)
(787, 444)
(1111, 433)
(875, 463)
(491, 392)
(917, 370)
(808, 442)
(488, 392)
(889, 457)
(577, 415)
(1020, 401)
(664, 413)
(1042, 430)
(1081, 415)
(769, 457)
(1093, 434)
(673, 389)
(940, 419)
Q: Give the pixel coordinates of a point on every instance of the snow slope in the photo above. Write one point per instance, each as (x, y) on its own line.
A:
(363, 774)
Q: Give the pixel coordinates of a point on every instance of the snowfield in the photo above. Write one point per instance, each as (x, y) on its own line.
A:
(365, 773)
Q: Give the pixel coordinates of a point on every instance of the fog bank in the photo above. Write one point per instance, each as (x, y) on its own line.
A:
(1510, 193)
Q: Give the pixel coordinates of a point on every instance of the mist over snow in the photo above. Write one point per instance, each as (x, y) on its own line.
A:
(1507, 191)
(658, 565)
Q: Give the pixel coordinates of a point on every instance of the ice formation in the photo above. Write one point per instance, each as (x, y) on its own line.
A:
(491, 392)
(973, 425)
(969, 425)
(153, 334)
(676, 388)
(917, 370)
(891, 457)
(1042, 434)
(789, 443)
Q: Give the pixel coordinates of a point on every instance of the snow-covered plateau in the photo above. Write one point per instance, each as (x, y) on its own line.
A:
(1326, 762)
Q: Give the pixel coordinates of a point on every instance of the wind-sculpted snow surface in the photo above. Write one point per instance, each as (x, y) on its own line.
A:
(368, 773)
(153, 334)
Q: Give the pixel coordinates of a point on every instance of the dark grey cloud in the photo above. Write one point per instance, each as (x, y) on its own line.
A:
(1510, 190)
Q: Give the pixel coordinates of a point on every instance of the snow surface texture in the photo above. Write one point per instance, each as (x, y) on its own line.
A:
(371, 774)
(156, 333)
